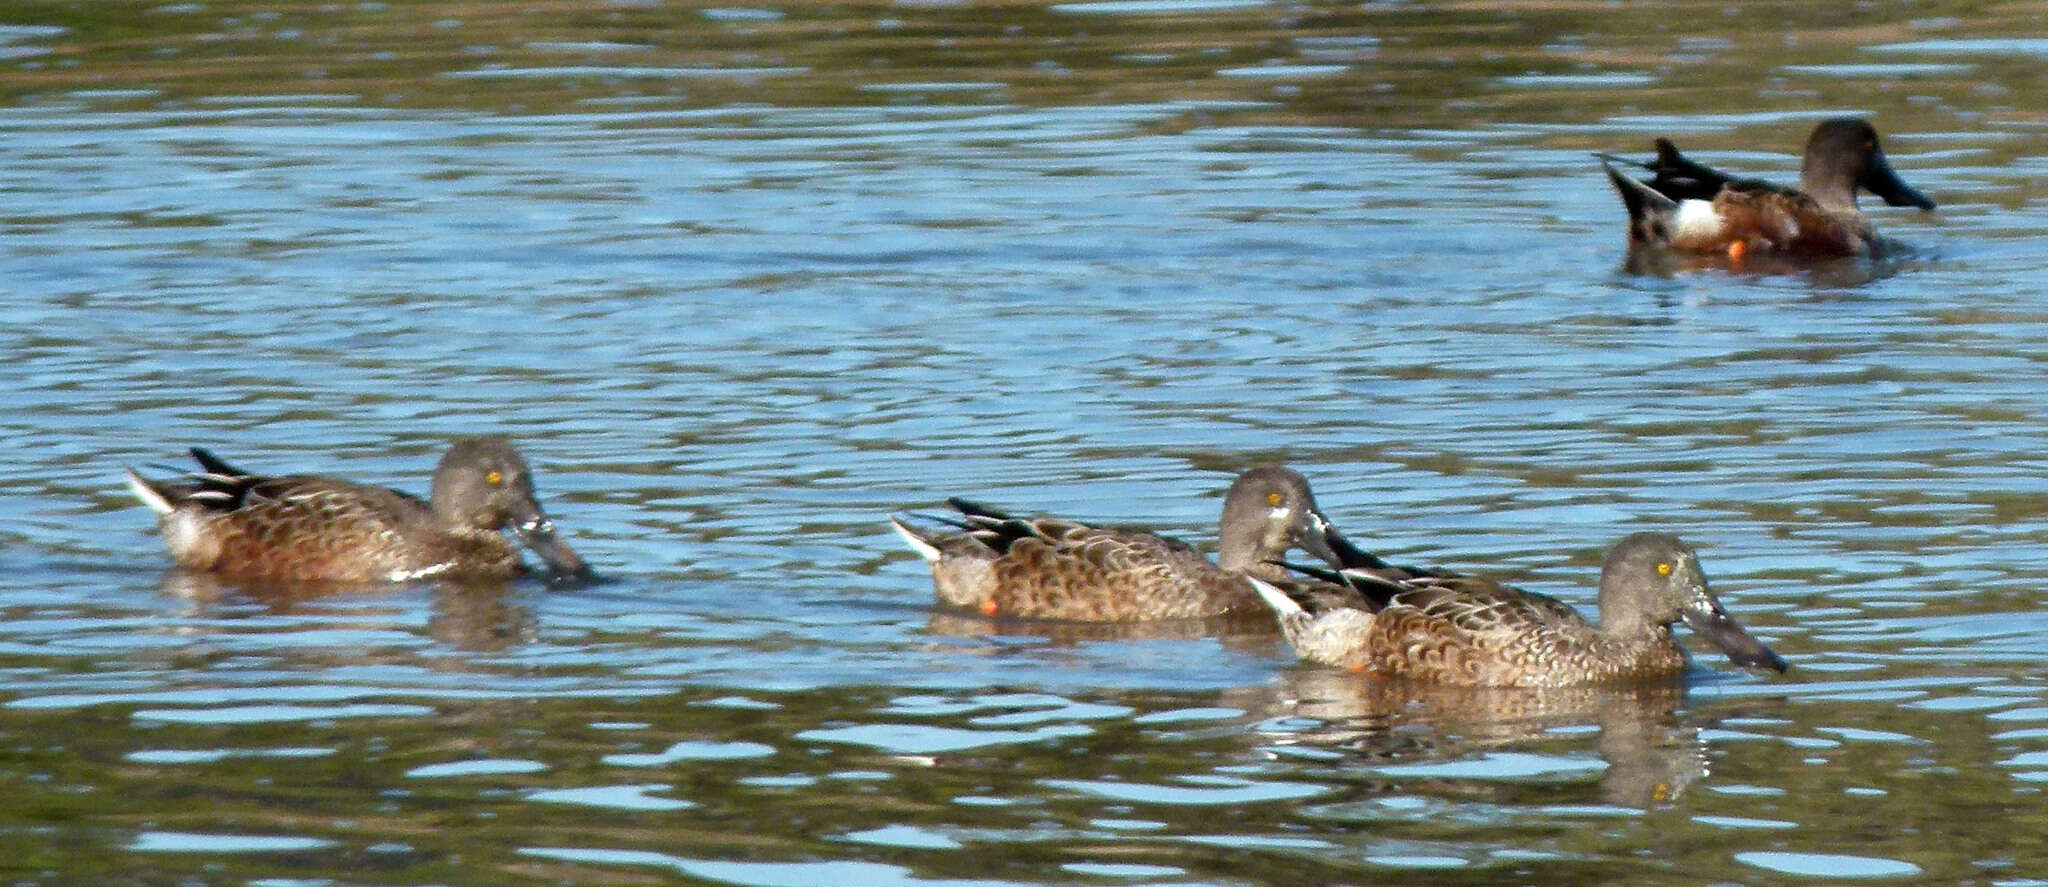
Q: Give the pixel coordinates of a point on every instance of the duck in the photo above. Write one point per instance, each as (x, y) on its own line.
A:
(308, 528)
(1689, 207)
(1056, 569)
(1477, 631)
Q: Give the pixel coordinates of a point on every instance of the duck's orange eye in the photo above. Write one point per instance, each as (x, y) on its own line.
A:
(1274, 499)
(494, 478)
(1663, 569)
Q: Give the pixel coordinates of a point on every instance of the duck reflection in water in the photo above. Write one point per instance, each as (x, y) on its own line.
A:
(1650, 750)
(1250, 633)
(479, 615)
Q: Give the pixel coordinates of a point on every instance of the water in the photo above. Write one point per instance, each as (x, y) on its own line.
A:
(741, 280)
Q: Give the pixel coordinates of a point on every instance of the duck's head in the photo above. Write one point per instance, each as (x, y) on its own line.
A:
(1655, 579)
(1842, 155)
(1268, 511)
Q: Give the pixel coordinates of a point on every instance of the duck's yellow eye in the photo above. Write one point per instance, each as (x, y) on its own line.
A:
(1663, 569)
(494, 478)
(1274, 499)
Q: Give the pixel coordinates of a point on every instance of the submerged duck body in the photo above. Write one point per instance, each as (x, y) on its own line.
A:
(1478, 632)
(1691, 207)
(1049, 568)
(310, 528)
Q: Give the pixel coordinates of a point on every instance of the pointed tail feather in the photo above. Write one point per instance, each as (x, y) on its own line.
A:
(1616, 158)
(946, 519)
(1295, 621)
(925, 546)
(975, 509)
(1375, 588)
(1638, 194)
(1681, 179)
(148, 492)
(1649, 213)
(214, 465)
(1282, 605)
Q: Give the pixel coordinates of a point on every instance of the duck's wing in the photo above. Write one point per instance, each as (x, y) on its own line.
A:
(1676, 177)
(1679, 178)
(1476, 605)
(215, 487)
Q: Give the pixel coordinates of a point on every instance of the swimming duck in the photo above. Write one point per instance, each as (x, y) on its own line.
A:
(1691, 207)
(1049, 568)
(306, 528)
(1478, 632)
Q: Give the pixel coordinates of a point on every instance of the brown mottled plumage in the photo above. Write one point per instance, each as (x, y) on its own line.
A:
(1478, 632)
(1046, 568)
(307, 528)
(1694, 208)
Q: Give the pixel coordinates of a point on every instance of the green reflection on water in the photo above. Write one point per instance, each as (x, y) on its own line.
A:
(79, 801)
(1378, 65)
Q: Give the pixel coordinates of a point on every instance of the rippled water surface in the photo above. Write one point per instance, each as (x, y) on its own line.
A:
(742, 280)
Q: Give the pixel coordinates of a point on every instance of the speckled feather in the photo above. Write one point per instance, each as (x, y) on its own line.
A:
(1067, 570)
(1048, 568)
(324, 529)
(1476, 631)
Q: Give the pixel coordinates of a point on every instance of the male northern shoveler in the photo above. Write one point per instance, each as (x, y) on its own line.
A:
(1047, 568)
(1478, 632)
(306, 528)
(1691, 207)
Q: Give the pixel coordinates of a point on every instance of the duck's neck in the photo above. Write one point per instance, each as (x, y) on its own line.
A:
(479, 553)
(1269, 572)
(1648, 653)
(1636, 653)
(1832, 194)
(1249, 553)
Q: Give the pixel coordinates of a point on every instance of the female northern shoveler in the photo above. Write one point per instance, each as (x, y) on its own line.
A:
(305, 528)
(1046, 568)
(1691, 207)
(1478, 632)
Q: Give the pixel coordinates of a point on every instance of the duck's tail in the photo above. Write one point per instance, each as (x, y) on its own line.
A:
(215, 465)
(1650, 215)
(926, 545)
(156, 496)
(1283, 605)
(1332, 637)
